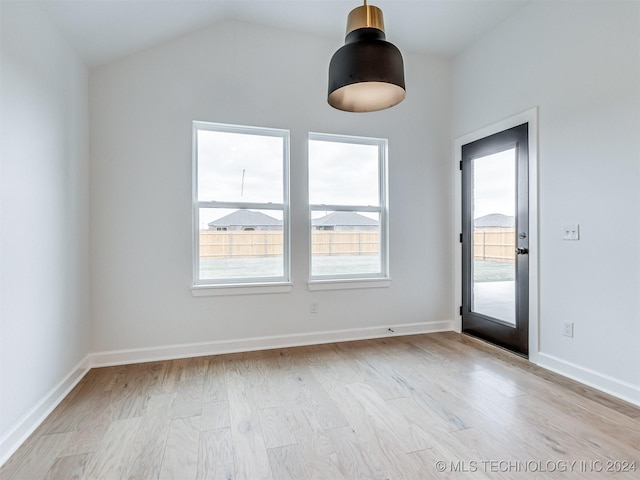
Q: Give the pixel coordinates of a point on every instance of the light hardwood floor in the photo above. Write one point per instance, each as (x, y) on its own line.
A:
(378, 409)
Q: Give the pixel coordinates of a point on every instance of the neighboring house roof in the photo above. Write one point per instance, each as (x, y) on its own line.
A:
(344, 219)
(245, 218)
(495, 220)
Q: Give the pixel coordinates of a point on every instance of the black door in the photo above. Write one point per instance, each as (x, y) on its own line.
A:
(495, 239)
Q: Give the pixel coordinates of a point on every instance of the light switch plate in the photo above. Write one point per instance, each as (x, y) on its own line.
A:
(567, 329)
(571, 232)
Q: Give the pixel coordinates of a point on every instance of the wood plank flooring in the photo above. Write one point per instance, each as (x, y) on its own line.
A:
(416, 407)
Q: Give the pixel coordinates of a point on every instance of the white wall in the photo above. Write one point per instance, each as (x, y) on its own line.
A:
(142, 108)
(44, 257)
(580, 63)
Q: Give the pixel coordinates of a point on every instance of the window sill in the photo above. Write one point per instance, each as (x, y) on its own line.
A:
(240, 289)
(344, 284)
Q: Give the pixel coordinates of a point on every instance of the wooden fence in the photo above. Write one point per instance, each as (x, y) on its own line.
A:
(494, 244)
(353, 242)
(227, 244)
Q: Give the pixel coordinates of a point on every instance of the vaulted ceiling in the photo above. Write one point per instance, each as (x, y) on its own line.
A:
(104, 30)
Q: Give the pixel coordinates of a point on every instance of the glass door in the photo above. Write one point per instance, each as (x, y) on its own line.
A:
(495, 239)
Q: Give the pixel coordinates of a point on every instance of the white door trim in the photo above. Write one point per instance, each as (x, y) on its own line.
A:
(530, 117)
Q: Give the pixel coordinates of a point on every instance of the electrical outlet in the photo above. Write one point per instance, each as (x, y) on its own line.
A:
(313, 308)
(571, 232)
(567, 329)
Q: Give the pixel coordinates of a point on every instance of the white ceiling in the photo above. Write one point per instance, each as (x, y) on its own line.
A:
(104, 30)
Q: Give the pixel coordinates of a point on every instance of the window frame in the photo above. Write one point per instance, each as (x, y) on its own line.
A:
(356, 280)
(217, 286)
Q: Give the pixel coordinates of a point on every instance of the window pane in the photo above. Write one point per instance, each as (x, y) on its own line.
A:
(240, 167)
(343, 173)
(494, 235)
(240, 244)
(345, 243)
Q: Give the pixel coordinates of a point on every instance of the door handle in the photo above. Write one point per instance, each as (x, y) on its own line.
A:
(522, 251)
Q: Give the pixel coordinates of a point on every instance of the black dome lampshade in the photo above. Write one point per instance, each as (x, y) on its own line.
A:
(367, 73)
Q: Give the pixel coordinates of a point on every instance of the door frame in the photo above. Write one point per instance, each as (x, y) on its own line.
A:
(530, 117)
(481, 324)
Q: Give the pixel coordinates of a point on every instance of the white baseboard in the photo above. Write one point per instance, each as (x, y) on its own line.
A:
(139, 355)
(10, 442)
(597, 380)
(27, 425)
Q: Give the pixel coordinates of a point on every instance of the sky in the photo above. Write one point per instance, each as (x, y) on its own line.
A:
(237, 167)
(343, 173)
(494, 184)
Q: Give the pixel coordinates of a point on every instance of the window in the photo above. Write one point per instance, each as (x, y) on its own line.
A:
(240, 204)
(348, 207)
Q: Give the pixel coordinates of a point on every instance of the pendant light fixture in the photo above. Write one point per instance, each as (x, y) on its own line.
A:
(367, 73)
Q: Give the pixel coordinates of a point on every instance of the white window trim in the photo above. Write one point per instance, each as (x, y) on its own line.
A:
(344, 284)
(241, 289)
(236, 286)
(360, 280)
